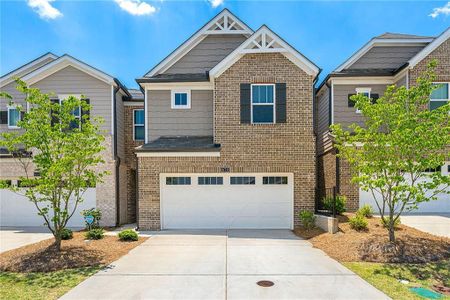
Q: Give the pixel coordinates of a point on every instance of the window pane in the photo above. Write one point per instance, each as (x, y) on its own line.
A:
(139, 117)
(441, 92)
(139, 132)
(275, 180)
(263, 113)
(13, 117)
(436, 104)
(178, 180)
(262, 93)
(181, 99)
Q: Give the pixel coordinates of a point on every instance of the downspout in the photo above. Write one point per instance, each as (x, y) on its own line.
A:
(338, 163)
(315, 140)
(116, 157)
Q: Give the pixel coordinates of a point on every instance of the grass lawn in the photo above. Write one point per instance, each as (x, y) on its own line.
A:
(386, 277)
(51, 285)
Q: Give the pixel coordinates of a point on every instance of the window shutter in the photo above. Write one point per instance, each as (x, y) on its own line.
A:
(280, 94)
(245, 103)
(54, 119)
(85, 112)
(4, 117)
(22, 114)
(351, 103)
(374, 98)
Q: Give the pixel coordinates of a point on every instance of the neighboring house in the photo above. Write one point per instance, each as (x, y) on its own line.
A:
(385, 60)
(61, 77)
(229, 140)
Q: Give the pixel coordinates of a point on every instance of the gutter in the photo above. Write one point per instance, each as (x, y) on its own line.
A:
(116, 158)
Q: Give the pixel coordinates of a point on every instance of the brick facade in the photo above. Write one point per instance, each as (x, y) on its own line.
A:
(288, 147)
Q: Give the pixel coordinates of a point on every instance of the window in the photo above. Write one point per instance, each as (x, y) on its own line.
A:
(433, 170)
(365, 92)
(263, 103)
(439, 96)
(138, 124)
(181, 99)
(76, 112)
(242, 180)
(210, 180)
(13, 117)
(275, 180)
(178, 180)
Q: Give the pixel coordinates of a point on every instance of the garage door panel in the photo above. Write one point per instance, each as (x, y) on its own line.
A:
(226, 205)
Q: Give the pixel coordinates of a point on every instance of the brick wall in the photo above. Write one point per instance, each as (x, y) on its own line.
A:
(287, 147)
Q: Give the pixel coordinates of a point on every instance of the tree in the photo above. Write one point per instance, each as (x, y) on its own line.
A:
(65, 147)
(401, 139)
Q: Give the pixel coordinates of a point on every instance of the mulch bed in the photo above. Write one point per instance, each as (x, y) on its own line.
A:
(75, 253)
(372, 245)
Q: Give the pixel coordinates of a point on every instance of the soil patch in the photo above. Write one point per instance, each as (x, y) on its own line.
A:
(75, 253)
(372, 245)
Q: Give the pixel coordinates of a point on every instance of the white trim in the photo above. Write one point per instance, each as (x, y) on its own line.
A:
(112, 111)
(362, 90)
(133, 103)
(146, 116)
(429, 48)
(332, 102)
(140, 125)
(194, 40)
(13, 107)
(180, 91)
(264, 40)
(178, 154)
(206, 85)
(263, 104)
(61, 63)
(380, 42)
(7, 78)
(65, 96)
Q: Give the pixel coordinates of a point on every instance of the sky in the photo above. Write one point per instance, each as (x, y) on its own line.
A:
(126, 38)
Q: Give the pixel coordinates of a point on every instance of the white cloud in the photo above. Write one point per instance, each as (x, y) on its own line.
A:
(44, 9)
(215, 3)
(444, 10)
(136, 7)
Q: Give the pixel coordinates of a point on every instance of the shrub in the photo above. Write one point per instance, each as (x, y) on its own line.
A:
(128, 235)
(366, 211)
(307, 218)
(340, 203)
(358, 222)
(385, 222)
(96, 213)
(66, 234)
(95, 234)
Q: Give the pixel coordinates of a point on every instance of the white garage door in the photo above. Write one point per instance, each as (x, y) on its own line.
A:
(226, 201)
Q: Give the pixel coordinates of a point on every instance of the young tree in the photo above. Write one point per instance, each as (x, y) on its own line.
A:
(401, 139)
(65, 147)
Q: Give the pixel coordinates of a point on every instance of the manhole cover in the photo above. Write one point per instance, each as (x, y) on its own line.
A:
(265, 283)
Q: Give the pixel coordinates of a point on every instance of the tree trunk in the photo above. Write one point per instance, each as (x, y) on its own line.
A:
(57, 243)
(391, 228)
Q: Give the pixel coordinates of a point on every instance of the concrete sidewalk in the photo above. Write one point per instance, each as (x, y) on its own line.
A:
(438, 224)
(16, 237)
(225, 265)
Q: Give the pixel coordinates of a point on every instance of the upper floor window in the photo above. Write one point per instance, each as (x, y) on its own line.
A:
(76, 123)
(13, 117)
(263, 103)
(181, 99)
(439, 96)
(138, 124)
(363, 91)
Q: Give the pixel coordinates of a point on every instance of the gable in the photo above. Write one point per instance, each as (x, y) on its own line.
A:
(440, 40)
(207, 54)
(225, 23)
(386, 57)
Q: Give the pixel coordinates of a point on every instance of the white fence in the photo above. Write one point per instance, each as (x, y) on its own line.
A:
(17, 210)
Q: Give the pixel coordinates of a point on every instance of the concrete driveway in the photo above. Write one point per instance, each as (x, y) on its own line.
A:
(16, 237)
(437, 224)
(225, 265)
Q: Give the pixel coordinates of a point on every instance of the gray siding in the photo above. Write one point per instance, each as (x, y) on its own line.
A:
(33, 67)
(165, 121)
(73, 81)
(383, 57)
(322, 113)
(206, 54)
(347, 115)
(120, 126)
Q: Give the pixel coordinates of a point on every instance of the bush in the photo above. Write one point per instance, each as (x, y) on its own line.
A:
(385, 222)
(95, 234)
(128, 235)
(66, 234)
(96, 213)
(358, 222)
(365, 211)
(307, 218)
(340, 203)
